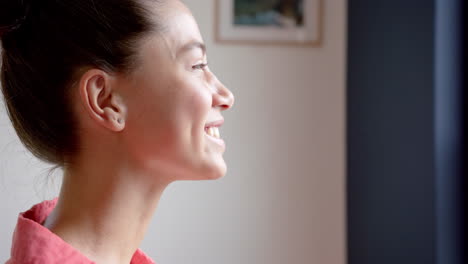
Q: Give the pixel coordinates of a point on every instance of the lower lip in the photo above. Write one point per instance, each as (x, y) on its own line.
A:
(217, 141)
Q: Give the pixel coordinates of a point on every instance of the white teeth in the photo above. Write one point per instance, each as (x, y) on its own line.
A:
(213, 131)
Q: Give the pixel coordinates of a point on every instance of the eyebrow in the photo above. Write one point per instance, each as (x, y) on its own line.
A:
(191, 45)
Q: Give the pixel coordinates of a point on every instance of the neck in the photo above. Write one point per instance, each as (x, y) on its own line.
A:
(104, 209)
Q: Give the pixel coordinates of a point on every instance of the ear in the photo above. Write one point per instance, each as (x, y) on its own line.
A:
(100, 99)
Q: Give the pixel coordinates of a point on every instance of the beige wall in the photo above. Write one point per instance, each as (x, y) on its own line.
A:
(283, 199)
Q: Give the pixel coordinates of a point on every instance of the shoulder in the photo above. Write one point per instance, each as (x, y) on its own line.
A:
(35, 244)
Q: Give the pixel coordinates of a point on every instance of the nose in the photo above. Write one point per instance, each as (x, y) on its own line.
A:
(222, 96)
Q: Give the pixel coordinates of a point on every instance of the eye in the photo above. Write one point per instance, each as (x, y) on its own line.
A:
(200, 66)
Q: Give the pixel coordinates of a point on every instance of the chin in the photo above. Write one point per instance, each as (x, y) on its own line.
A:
(212, 171)
(216, 170)
(217, 174)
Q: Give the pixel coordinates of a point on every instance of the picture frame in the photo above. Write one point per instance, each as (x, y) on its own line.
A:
(269, 22)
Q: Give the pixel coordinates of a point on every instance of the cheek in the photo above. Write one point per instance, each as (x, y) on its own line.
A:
(167, 111)
(168, 125)
(193, 111)
(199, 104)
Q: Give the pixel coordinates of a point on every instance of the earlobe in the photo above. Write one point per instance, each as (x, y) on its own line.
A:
(100, 99)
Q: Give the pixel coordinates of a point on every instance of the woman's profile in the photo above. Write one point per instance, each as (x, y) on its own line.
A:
(119, 95)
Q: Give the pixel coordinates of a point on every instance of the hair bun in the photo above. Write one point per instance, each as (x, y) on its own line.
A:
(12, 15)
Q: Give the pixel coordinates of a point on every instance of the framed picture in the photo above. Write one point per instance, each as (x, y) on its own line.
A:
(288, 22)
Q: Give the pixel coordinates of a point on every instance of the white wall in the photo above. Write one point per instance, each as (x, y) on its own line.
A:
(283, 199)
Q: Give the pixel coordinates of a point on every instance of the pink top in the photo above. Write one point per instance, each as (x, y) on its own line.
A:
(35, 244)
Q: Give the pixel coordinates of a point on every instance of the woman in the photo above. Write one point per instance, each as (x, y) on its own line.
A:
(117, 93)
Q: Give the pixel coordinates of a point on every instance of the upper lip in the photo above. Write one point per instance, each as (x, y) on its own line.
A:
(217, 123)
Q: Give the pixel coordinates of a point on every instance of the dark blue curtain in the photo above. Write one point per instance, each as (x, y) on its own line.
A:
(407, 148)
(450, 130)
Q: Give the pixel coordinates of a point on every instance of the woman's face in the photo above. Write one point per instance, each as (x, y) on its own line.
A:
(175, 102)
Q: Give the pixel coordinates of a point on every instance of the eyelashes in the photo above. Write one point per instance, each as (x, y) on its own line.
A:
(200, 66)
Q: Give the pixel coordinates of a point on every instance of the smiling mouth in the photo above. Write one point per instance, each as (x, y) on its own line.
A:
(212, 132)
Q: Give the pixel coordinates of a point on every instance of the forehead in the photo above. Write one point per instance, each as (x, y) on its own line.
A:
(180, 27)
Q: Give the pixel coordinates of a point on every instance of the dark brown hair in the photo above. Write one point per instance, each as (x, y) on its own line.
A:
(45, 45)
